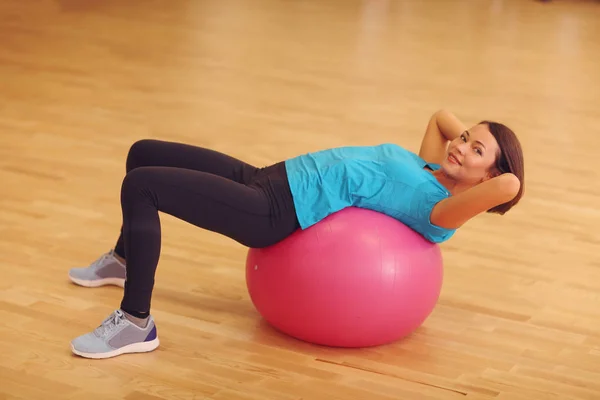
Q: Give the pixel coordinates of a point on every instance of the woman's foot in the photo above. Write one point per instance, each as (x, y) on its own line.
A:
(115, 336)
(109, 269)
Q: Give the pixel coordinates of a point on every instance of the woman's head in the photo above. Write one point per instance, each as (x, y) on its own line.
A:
(486, 150)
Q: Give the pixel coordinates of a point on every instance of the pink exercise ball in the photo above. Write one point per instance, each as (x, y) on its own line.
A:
(358, 278)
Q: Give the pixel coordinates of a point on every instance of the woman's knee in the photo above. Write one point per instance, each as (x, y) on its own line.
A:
(139, 154)
(137, 182)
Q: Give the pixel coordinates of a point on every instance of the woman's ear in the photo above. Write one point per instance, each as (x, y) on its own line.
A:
(492, 173)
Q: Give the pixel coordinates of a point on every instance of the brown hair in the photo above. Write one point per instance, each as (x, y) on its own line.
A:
(508, 159)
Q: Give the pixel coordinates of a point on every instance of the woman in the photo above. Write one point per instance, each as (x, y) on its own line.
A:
(458, 174)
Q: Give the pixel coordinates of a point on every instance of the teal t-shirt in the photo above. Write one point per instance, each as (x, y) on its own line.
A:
(385, 178)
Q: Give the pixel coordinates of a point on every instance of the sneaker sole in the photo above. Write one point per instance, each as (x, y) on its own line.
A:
(98, 282)
(141, 347)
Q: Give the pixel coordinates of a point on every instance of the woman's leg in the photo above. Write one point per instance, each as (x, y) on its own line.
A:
(158, 153)
(208, 201)
(110, 268)
(251, 215)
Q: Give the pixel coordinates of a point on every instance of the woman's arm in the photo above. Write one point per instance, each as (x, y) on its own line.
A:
(453, 212)
(443, 127)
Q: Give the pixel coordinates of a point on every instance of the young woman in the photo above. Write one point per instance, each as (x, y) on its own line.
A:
(458, 174)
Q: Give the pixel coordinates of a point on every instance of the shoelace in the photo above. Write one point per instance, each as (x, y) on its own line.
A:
(106, 256)
(100, 260)
(109, 324)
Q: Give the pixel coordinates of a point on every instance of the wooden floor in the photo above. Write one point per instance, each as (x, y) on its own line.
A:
(519, 314)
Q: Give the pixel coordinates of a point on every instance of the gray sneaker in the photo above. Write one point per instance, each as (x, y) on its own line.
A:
(115, 336)
(106, 270)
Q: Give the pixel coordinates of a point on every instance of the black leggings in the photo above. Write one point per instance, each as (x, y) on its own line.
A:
(214, 191)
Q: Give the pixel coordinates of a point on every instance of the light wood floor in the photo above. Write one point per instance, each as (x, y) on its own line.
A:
(519, 315)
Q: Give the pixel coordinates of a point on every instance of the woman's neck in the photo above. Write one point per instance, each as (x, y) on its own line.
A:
(449, 183)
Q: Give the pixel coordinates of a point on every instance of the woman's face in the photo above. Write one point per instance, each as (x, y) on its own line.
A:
(471, 157)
